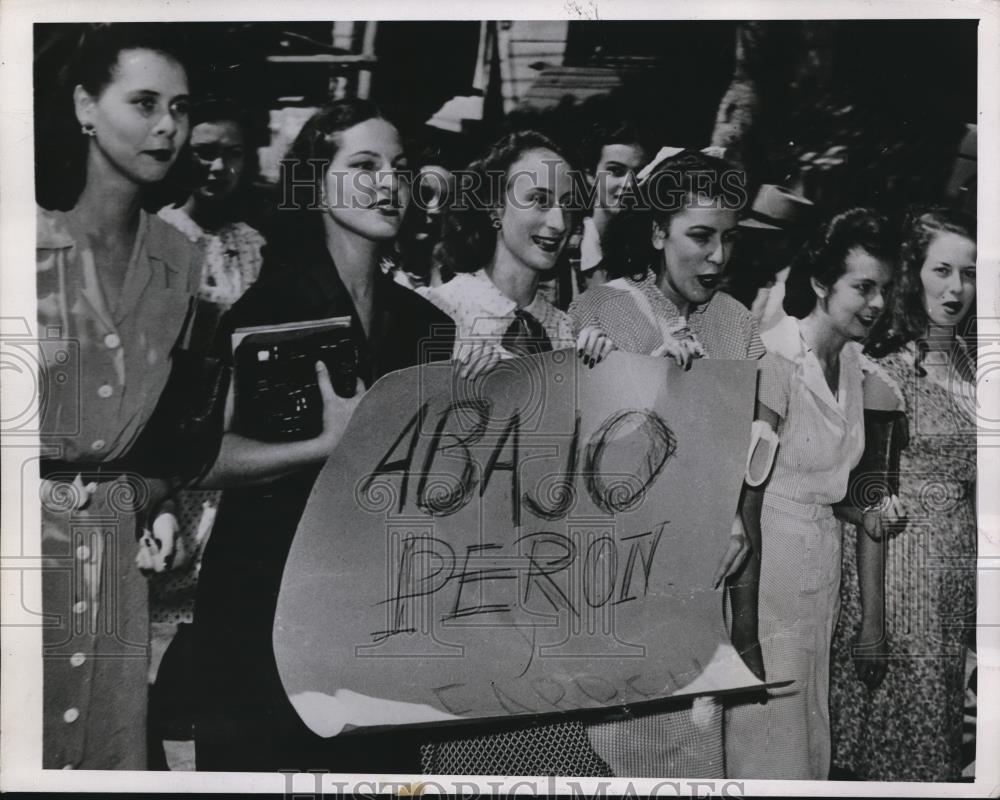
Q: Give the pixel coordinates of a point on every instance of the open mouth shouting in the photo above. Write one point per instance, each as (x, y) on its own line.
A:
(952, 307)
(161, 154)
(710, 282)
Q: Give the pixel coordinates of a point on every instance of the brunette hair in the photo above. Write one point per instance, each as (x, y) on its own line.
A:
(824, 258)
(303, 169)
(60, 148)
(468, 238)
(671, 187)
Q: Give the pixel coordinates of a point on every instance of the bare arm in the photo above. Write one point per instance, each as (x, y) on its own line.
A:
(743, 589)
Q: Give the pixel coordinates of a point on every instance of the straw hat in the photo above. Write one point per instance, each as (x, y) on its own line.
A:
(776, 208)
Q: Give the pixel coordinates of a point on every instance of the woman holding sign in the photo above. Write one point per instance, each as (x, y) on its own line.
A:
(511, 230)
(811, 396)
(348, 181)
(505, 238)
(666, 256)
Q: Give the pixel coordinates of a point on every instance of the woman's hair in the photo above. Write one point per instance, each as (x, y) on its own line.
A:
(606, 132)
(60, 146)
(824, 258)
(906, 316)
(303, 169)
(186, 175)
(670, 188)
(468, 238)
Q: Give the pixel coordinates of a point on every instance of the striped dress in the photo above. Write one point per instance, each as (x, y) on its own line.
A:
(821, 439)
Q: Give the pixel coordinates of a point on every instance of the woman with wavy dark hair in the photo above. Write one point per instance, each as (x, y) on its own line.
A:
(811, 395)
(347, 183)
(904, 723)
(666, 255)
(513, 213)
(117, 282)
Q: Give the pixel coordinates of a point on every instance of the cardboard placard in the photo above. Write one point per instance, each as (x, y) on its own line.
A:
(543, 541)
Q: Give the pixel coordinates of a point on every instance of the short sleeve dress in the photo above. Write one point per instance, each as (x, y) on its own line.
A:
(910, 728)
(821, 438)
(687, 740)
(104, 367)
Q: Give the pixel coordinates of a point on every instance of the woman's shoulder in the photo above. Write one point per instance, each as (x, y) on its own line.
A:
(246, 234)
(783, 341)
(416, 304)
(463, 285)
(732, 308)
(601, 297)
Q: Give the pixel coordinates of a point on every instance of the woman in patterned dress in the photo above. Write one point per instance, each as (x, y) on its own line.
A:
(663, 299)
(909, 728)
(811, 396)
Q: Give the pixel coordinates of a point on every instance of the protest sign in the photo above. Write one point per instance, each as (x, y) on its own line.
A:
(543, 541)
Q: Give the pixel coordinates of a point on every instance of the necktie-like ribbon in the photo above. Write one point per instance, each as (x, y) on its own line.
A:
(525, 336)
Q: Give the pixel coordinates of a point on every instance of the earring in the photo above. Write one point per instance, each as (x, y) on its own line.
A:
(496, 223)
(88, 130)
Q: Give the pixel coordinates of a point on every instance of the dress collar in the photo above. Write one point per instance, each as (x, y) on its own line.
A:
(496, 303)
(785, 339)
(649, 281)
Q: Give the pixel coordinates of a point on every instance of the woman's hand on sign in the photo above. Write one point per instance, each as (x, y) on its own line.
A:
(736, 552)
(682, 350)
(337, 410)
(593, 345)
(478, 358)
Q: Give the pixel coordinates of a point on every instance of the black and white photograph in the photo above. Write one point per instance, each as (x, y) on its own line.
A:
(432, 403)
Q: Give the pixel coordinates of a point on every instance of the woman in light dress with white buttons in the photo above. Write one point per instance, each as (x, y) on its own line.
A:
(113, 287)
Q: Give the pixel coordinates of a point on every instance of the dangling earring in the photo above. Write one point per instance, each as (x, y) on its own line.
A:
(88, 130)
(496, 223)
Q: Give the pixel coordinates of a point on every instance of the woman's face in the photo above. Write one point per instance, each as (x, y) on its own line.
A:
(535, 218)
(140, 119)
(217, 148)
(857, 298)
(696, 246)
(617, 165)
(366, 186)
(949, 278)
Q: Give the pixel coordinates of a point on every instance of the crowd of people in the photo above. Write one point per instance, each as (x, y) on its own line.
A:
(858, 323)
